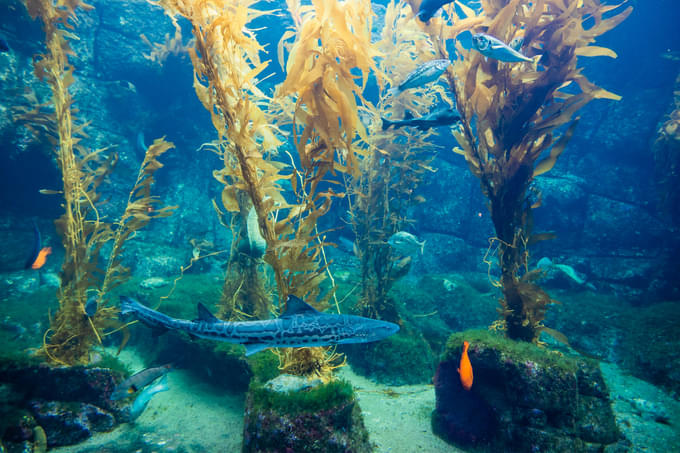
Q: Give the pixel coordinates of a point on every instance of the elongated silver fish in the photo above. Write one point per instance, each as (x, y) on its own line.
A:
(301, 325)
(422, 75)
(494, 48)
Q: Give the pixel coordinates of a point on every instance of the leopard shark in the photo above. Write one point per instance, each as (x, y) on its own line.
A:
(299, 326)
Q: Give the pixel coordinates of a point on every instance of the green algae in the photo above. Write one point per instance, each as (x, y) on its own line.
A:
(515, 351)
(323, 397)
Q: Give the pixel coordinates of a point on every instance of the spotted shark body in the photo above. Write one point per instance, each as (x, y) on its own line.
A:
(301, 325)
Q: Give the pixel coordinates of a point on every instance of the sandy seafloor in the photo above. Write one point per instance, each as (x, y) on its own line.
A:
(194, 416)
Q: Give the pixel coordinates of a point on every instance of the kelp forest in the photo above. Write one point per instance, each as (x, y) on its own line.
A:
(320, 134)
(311, 225)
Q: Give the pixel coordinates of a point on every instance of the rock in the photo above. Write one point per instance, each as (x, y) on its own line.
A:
(523, 398)
(67, 423)
(324, 419)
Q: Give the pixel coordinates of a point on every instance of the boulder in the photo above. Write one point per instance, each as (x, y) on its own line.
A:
(325, 418)
(523, 398)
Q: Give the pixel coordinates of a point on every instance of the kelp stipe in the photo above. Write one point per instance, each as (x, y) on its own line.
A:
(512, 113)
(83, 233)
(394, 164)
(332, 40)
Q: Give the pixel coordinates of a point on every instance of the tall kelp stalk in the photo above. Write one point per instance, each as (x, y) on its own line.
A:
(332, 44)
(226, 63)
(226, 66)
(514, 112)
(72, 333)
(394, 166)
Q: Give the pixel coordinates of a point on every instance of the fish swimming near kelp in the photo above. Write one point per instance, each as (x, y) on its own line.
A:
(441, 117)
(39, 254)
(406, 244)
(91, 306)
(422, 75)
(138, 381)
(465, 368)
(257, 245)
(142, 400)
(300, 325)
(428, 8)
(492, 47)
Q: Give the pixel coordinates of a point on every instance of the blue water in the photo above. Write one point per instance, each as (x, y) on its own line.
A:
(611, 202)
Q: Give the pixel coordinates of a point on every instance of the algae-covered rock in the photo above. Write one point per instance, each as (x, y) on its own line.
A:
(67, 423)
(323, 419)
(523, 398)
(69, 403)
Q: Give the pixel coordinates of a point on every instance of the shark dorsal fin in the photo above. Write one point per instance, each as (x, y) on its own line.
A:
(297, 306)
(205, 315)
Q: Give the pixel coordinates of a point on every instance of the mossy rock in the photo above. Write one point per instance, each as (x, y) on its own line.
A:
(523, 398)
(404, 358)
(323, 419)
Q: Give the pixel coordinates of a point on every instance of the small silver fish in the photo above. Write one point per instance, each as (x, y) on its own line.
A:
(140, 403)
(494, 48)
(406, 244)
(422, 75)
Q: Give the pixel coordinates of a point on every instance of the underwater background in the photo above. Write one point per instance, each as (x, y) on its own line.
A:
(270, 182)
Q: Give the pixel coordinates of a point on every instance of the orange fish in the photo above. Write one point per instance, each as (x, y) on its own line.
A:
(465, 368)
(41, 258)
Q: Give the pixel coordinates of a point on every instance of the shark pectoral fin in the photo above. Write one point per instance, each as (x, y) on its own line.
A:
(205, 315)
(255, 347)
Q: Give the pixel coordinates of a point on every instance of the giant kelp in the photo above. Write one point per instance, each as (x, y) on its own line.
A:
(83, 232)
(394, 164)
(227, 66)
(331, 52)
(513, 114)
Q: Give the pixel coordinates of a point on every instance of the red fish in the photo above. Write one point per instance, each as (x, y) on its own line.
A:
(39, 253)
(41, 258)
(465, 368)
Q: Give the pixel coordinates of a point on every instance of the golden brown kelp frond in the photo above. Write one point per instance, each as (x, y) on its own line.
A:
(333, 40)
(511, 113)
(140, 209)
(226, 67)
(71, 333)
(312, 363)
